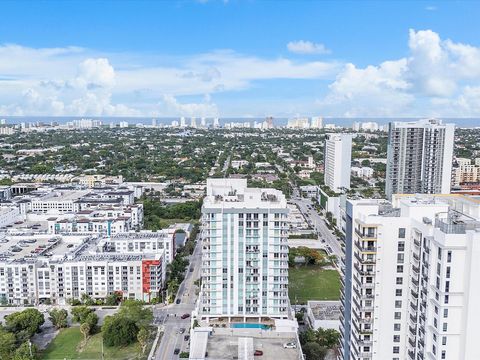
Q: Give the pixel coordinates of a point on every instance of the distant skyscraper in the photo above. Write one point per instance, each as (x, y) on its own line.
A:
(269, 123)
(3, 121)
(298, 123)
(203, 122)
(183, 122)
(216, 122)
(154, 122)
(419, 157)
(245, 252)
(193, 122)
(337, 160)
(316, 122)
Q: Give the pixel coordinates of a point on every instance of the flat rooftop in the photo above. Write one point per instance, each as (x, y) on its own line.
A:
(62, 195)
(30, 247)
(326, 310)
(224, 344)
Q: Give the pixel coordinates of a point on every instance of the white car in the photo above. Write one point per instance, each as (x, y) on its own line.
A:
(290, 345)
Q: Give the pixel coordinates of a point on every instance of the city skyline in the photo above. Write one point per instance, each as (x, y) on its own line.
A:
(201, 59)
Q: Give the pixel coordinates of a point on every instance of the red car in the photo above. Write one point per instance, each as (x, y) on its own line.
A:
(258, 353)
(184, 316)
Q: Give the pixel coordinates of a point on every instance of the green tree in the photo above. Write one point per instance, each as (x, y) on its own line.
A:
(80, 313)
(142, 337)
(26, 322)
(58, 317)
(87, 300)
(113, 299)
(313, 351)
(7, 344)
(92, 321)
(136, 311)
(26, 351)
(119, 331)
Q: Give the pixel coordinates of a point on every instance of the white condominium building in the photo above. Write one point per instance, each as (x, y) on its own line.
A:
(245, 252)
(36, 268)
(410, 290)
(419, 157)
(337, 160)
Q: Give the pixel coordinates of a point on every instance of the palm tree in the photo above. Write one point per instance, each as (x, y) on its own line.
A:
(142, 337)
(85, 330)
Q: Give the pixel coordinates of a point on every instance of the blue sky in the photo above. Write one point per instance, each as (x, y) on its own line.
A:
(240, 58)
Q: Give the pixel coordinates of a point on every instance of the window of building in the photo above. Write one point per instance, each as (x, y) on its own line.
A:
(400, 258)
(396, 349)
(399, 281)
(449, 257)
(444, 354)
(445, 326)
(444, 340)
(401, 233)
(396, 338)
(397, 315)
(398, 304)
(398, 292)
(401, 246)
(446, 299)
(396, 327)
(445, 313)
(399, 268)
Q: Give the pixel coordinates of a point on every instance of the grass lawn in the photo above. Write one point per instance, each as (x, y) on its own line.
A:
(313, 283)
(66, 342)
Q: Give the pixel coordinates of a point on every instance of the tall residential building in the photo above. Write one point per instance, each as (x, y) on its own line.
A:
(419, 157)
(337, 159)
(411, 290)
(245, 252)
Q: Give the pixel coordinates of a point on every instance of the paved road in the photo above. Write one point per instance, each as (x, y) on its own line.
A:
(170, 316)
(319, 224)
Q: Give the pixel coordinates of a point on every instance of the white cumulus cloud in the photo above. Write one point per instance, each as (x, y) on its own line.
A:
(307, 47)
(438, 77)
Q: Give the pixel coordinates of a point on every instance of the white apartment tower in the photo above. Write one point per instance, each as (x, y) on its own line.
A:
(411, 290)
(245, 252)
(337, 160)
(419, 157)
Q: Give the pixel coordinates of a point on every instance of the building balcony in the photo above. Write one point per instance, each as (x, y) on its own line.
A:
(364, 248)
(365, 260)
(366, 236)
(363, 272)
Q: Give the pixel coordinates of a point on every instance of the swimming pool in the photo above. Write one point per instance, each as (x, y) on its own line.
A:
(249, 326)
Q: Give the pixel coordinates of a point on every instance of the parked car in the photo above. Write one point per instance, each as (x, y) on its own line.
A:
(186, 337)
(178, 301)
(176, 351)
(258, 353)
(181, 330)
(184, 316)
(290, 345)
